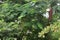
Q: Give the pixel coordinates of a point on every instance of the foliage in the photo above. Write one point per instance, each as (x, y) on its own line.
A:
(53, 31)
(23, 19)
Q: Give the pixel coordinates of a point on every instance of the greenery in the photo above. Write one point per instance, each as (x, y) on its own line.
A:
(24, 20)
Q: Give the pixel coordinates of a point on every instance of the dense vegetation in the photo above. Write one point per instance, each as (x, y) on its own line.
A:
(24, 20)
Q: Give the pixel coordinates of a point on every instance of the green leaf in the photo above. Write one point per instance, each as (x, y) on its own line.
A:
(40, 25)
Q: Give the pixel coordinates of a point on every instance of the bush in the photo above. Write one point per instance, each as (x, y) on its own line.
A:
(24, 20)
